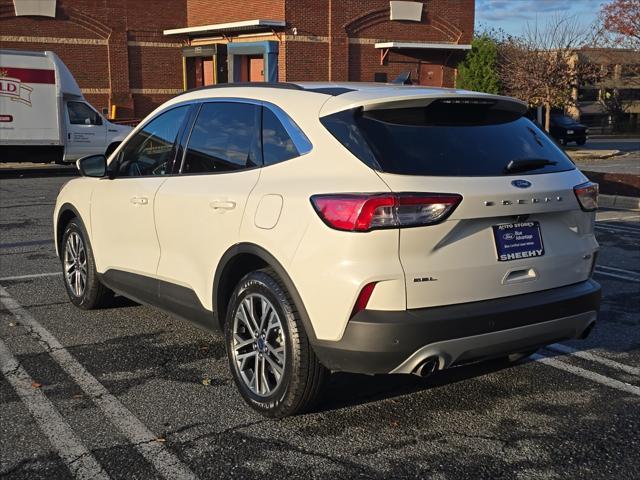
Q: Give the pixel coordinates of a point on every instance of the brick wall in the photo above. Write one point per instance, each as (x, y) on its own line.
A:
(114, 48)
(206, 12)
(119, 55)
(350, 28)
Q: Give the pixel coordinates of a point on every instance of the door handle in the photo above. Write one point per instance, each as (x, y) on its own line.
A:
(139, 200)
(222, 205)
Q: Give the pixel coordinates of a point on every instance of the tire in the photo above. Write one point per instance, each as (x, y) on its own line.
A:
(284, 347)
(76, 256)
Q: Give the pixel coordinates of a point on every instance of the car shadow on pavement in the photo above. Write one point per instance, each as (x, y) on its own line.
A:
(347, 389)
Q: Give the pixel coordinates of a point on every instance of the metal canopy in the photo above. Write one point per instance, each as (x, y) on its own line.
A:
(423, 45)
(256, 25)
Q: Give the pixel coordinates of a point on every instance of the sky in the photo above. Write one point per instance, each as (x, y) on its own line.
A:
(512, 15)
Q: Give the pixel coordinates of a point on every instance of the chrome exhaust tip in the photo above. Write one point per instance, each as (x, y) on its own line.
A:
(426, 367)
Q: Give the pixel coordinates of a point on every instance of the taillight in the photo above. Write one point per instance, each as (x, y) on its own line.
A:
(587, 195)
(362, 212)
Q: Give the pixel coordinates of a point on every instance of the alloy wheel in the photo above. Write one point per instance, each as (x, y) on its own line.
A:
(75, 264)
(258, 346)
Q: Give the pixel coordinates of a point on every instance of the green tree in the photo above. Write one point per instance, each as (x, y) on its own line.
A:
(478, 70)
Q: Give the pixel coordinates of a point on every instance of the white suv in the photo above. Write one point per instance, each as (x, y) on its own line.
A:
(338, 227)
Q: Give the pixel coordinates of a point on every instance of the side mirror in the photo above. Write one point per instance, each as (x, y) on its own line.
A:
(92, 166)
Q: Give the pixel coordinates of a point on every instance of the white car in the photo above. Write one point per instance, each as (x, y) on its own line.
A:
(364, 228)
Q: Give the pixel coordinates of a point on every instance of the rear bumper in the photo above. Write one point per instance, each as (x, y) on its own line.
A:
(397, 341)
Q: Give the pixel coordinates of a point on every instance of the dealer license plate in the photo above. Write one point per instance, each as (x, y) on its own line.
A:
(515, 241)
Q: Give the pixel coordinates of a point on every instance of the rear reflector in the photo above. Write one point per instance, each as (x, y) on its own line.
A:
(363, 298)
(587, 195)
(362, 212)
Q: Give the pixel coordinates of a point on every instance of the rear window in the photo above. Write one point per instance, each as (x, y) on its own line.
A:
(444, 139)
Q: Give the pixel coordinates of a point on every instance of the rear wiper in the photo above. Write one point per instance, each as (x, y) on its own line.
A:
(526, 164)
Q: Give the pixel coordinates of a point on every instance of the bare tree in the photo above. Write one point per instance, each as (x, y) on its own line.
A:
(542, 67)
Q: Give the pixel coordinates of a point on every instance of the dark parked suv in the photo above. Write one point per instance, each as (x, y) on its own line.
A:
(565, 129)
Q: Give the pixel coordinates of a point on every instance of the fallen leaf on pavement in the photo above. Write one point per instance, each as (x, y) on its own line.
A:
(206, 381)
(36, 384)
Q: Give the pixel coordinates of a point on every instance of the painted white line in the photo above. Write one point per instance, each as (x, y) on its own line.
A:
(617, 218)
(558, 347)
(588, 374)
(78, 459)
(165, 462)
(616, 269)
(615, 275)
(33, 275)
(618, 229)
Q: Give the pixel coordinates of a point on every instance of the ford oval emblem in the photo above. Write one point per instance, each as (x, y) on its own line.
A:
(521, 183)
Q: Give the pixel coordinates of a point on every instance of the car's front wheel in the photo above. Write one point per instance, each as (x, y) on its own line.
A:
(271, 360)
(79, 270)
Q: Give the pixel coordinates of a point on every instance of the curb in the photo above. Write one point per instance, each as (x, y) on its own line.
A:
(587, 154)
(619, 201)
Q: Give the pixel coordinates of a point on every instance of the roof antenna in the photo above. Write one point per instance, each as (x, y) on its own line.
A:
(403, 79)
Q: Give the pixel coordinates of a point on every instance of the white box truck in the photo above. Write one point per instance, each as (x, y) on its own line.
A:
(43, 115)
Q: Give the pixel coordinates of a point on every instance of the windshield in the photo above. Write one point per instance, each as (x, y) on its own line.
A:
(420, 141)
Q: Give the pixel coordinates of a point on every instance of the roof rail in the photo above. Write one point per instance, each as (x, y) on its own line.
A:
(285, 85)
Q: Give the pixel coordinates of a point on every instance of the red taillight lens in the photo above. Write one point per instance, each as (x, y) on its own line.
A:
(587, 195)
(362, 213)
(363, 298)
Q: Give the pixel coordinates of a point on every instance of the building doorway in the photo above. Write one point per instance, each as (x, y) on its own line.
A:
(431, 74)
(253, 61)
(251, 68)
(206, 65)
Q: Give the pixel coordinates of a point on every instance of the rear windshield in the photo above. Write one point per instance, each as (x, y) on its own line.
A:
(446, 140)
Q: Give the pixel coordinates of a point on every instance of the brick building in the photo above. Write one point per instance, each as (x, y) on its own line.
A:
(136, 54)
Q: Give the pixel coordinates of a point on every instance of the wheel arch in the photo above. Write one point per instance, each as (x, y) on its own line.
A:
(241, 259)
(66, 213)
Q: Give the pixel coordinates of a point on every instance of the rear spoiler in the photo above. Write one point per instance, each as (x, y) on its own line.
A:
(411, 97)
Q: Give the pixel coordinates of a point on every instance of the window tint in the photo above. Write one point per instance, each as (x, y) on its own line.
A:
(225, 137)
(151, 150)
(444, 142)
(277, 146)
(82, 114)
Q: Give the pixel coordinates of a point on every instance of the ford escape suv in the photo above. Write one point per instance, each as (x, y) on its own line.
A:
(338, 227)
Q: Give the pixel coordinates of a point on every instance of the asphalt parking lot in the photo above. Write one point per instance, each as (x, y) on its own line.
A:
(130, 392)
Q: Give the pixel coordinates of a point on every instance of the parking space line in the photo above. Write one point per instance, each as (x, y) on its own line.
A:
(616, 275)
(617, 218)
(588, 374)
(28, 243)
(616, 228)
(621, 270)
(165, 462)
(78, 459)
(33, 275)
(558, 347)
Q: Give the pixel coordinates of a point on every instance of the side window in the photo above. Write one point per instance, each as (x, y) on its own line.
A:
(277, 145)
(151, 150)
(82, 114)
(225, 137)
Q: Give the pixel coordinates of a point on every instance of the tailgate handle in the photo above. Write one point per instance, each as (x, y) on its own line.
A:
(520, 275)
